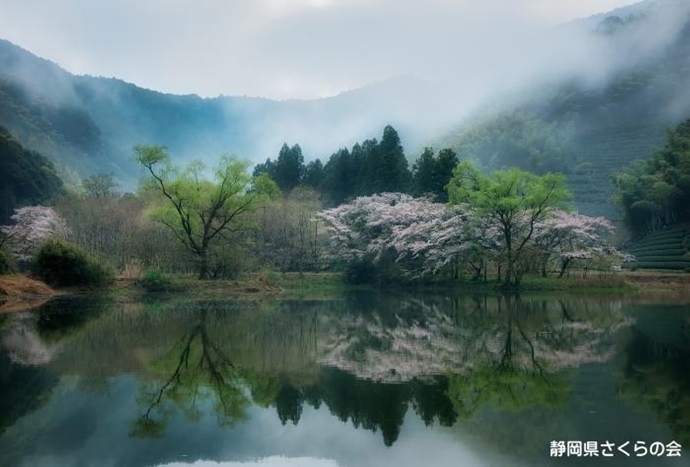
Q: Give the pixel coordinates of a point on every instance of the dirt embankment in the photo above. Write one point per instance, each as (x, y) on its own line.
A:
(19, 293)
(661, 282)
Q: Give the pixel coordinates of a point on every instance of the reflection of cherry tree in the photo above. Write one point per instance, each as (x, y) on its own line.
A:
(198, 370)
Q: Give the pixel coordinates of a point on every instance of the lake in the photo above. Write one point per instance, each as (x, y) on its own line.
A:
(363, 379)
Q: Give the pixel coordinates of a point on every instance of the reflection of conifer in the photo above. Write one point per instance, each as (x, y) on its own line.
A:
(289, 404)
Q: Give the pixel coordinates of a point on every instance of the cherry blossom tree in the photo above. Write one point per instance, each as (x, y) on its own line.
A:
(32, 226)
(423, 237)
(564, 237)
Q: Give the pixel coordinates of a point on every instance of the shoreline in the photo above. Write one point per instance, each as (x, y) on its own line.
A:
(21, 293)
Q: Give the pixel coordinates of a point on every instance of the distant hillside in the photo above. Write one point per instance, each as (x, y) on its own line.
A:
(587, 123)
(26, 177)
(591, 130)
(90, 124)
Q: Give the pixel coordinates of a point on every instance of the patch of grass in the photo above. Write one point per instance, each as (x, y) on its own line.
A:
(155, 281)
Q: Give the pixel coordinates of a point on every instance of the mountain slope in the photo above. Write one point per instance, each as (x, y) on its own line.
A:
(592, 129)
(90, 124)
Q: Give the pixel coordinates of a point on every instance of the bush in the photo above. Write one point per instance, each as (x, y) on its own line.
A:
(6, 264)
(155, 281)
(62, 264)
(360, 272)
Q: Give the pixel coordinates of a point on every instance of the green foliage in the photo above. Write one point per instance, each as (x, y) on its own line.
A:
(514, 200)
(655, 193)
(155, 281)
(370, 167)
(265, 187)
(518, 139)
(26, 177)
(62, 264)
(664, 249)
(200, 212)
(7, 265)
(431, 174)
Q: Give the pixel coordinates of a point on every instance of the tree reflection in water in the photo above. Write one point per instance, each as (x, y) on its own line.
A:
(198, 369)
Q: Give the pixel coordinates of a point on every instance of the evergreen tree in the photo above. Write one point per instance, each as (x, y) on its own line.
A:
(424, 173)
(289, 168)
(314, 174)
(338, 183)
(445, 164)
(367, 163)
(268, 168)
(393, 174)
(432, 173)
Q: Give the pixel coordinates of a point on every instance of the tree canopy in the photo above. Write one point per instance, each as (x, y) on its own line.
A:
(515, 201)
(656, 193)
(200, 212)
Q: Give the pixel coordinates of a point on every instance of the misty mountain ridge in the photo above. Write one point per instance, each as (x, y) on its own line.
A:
(90, 124)
(608, 86)
(594, 122)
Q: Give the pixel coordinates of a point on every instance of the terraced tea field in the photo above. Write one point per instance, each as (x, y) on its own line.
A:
(666, 249)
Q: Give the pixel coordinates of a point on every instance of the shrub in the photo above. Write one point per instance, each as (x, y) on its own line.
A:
(155, 281)
(6, 264)
(62, 264)
(360, 272)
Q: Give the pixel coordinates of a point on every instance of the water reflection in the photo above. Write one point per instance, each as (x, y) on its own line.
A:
(482, 365)
(656, 374)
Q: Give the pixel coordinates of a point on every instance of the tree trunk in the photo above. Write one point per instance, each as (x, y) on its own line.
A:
(203, 265)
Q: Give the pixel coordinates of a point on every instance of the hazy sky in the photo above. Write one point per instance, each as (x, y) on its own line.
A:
(282, 48)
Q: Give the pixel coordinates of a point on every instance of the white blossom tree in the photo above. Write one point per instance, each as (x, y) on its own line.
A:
(417, 231)
(424, 237)
(565, 237)
(31, 226)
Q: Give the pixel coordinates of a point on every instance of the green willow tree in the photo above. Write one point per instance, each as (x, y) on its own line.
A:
(514, 201)
(201, 213)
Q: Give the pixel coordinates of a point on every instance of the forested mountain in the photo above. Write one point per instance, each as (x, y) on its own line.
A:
(90, 124)
(588, 124)
(591, 129)
(26, 177)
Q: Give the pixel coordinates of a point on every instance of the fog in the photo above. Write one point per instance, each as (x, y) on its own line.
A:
(422, 67)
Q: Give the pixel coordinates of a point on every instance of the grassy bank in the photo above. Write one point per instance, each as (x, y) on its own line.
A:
(20, 293)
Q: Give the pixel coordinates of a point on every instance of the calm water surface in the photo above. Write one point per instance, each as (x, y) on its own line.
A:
(361, 380)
